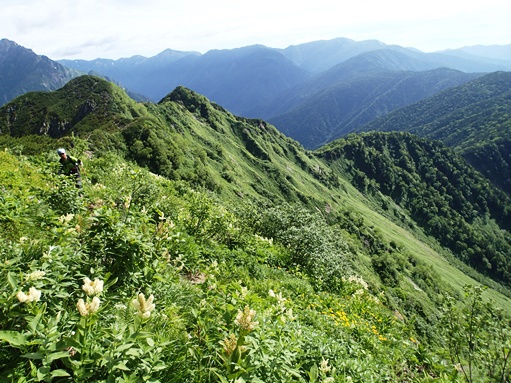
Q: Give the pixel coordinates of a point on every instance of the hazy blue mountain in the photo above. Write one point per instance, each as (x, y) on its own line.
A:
(239, 78)
(127, 71)
(236, 78)
(340, 109)
(21, 71)
(256, 81)
(361, 65)
(318, 56)
(496, 53)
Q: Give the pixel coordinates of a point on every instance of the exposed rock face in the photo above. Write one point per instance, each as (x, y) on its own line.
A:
(22, 71)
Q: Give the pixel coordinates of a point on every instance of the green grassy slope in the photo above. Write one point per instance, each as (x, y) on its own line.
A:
(236, 209)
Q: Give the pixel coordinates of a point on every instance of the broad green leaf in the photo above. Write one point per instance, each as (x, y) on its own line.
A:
(121, 366)
(57, 355)
(14, 338)
(32, 325)
(12, 280)
(33, 355)
(123, 347)
(60, 372)
(42, 372)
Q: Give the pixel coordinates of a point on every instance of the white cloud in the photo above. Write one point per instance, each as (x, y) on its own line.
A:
(122, 28)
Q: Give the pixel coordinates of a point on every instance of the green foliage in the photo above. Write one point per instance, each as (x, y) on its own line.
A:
(451, 201)
(316, 248)
(478, 337)
(277, 271)
(473, 118)
(151, 281)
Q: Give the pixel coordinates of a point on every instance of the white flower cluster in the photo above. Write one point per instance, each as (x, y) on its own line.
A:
(245, 319)
(33, 295)
(92, 287)
(88, 308)
(264, 239)
(35, 275)
(358, 280)
(283, 311)
(65, 219)
(143, 306)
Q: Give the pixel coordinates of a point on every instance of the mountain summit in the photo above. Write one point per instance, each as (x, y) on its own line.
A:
(21, 71)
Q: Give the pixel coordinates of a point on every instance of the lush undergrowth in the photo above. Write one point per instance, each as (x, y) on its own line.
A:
(136, 278)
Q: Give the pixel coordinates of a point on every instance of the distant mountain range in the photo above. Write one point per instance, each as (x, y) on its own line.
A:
(314, 92)
(22, 71)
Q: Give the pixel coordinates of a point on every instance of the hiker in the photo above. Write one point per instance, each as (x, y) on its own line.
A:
(70, 165)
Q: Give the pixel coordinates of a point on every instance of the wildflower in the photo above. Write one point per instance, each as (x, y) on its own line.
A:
(94, 305)
(229, 344)
(66, 218)
(357, 280)
(82, 308)
(278, 296)
(143, 306)
(245, 319)
(33, 295)
(92, 288)
(88, 308)
(324, 367)
(35, 275)
(290, 315)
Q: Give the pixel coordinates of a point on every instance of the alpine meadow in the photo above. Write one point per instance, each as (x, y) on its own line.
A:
(209, 247)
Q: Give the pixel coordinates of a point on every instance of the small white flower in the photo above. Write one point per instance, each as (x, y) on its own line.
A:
(22, 297)
(144, 306)
(94, 305)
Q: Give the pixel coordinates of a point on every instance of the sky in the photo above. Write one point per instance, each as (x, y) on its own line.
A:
(113, 29)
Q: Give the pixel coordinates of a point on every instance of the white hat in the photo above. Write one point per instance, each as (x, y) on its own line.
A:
(61, 151)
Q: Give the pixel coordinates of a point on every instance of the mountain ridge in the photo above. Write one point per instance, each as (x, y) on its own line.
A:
(186, 137)
(21, 70)
(473, 118)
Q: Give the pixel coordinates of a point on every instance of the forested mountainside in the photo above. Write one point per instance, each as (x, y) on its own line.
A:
(442, 193)
(474, 119)
(205, 246)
